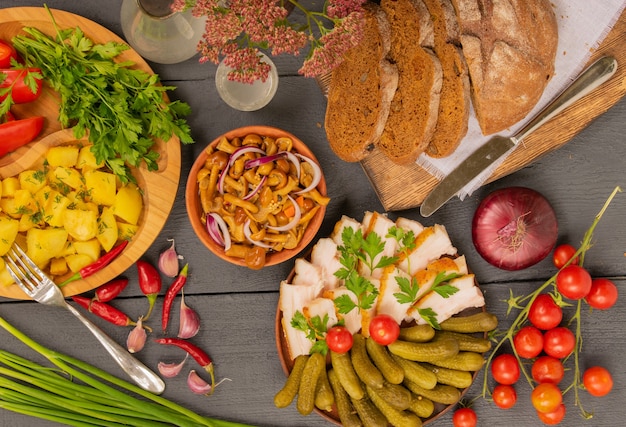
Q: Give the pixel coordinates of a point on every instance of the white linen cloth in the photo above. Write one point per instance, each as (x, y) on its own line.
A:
(582, 26)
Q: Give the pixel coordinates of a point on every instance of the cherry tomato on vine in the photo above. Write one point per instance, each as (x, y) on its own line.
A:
(603, 294)
(573, 282)
(464, 417)
(505, 369)
(546, 397)
(597, 381)
(554, 417)
(559, 342)
(504, 396)
(384, 329)
(548, 369)
(562, 254)
(544, 312)
(339, 339)
(528, 342)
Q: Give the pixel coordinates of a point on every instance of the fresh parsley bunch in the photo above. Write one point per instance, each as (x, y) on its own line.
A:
(122, 110)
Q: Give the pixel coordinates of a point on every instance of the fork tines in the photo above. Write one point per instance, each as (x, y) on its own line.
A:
(23, 270)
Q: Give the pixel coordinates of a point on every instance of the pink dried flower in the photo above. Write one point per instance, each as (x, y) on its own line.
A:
(236, 30)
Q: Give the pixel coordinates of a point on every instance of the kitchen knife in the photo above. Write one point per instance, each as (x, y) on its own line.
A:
(596, 74)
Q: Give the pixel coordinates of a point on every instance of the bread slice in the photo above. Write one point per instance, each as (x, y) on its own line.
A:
(360, 91)
(454, 102)
(415, 106)
(510, 47)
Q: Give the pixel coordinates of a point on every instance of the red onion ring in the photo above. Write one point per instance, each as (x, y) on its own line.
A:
(256, 189)
(231, 161)
(248, 233)
(296, 218)
(218, 230)
(317, 174)
(263, 160)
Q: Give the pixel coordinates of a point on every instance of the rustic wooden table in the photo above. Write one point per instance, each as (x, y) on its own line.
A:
(238, 306)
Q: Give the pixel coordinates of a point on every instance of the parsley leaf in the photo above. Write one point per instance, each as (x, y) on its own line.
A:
(408, 288)
(315, 329)
(120, 109)
(430, 316)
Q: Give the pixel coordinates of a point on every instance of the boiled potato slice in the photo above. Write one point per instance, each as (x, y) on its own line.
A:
(9, 186)
(100, 187)
(107, 229)
(77, 261)
(8, 231)
(126, 231)
(65, 155)
(87, 160)
(81, 224)
(128, 203)
(5, 277)
(58, 266)
(44, 244)
(32, 180)
(53, 205)
(68, 176)
(90, 247)
(7, 205)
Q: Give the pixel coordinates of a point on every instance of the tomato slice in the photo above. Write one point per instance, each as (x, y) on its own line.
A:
(24, 83)
(7, 51)
(17, 133)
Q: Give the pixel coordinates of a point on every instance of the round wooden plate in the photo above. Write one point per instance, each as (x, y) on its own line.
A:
(333, 416)
(159, 187)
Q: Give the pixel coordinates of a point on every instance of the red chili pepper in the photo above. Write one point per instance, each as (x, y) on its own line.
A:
(16, 133)
(194, 351)
(171, 293)
(24, 84)
(7, 51)
(98, 265)
(110, 290)
(104, 311)
(150, 283)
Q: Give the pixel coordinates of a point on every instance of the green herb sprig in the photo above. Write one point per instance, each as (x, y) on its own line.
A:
(122, 110)
(315, 329)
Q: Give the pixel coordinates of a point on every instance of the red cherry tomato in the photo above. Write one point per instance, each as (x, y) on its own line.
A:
(505, 369)
(528, 342)
(559, 342)
(384, 329)
(504, 396)
(562, 254)
(339, 339)
(573, 282)
(548, 369)
(598, 381)
(603, 294)
(464, 417)
(544, 313)
(554, 417)
(546, 397)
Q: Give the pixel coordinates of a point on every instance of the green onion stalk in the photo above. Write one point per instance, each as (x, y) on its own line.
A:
(79, 394)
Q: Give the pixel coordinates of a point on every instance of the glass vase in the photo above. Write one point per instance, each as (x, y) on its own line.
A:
(158, 34)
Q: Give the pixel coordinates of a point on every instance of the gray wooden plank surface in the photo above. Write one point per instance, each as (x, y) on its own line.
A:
(238, 306)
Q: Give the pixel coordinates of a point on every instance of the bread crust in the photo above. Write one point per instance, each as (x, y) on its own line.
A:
(360, 91)
(454, 104)
(415, 106)
(510, 47)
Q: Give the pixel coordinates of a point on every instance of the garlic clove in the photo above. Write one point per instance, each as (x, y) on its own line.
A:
(168, 261)
(200, 386)
(170, 370)
(137, 337)
(189, 320)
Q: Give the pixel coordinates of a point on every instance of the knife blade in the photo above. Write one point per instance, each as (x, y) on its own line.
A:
(592, 77)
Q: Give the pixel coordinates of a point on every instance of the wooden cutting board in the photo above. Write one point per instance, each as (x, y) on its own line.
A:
(159, 188)
(404, 187)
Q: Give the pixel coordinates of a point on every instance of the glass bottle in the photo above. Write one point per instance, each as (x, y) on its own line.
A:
(158, 34)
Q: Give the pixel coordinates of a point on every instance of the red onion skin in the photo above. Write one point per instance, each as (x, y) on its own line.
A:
(514, 228)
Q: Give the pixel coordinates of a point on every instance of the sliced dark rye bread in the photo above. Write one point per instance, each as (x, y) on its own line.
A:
(415, 106)
(454, 102)
(360, 91)
(510, 47)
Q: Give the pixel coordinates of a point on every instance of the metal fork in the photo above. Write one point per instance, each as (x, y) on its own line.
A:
(42, 289)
